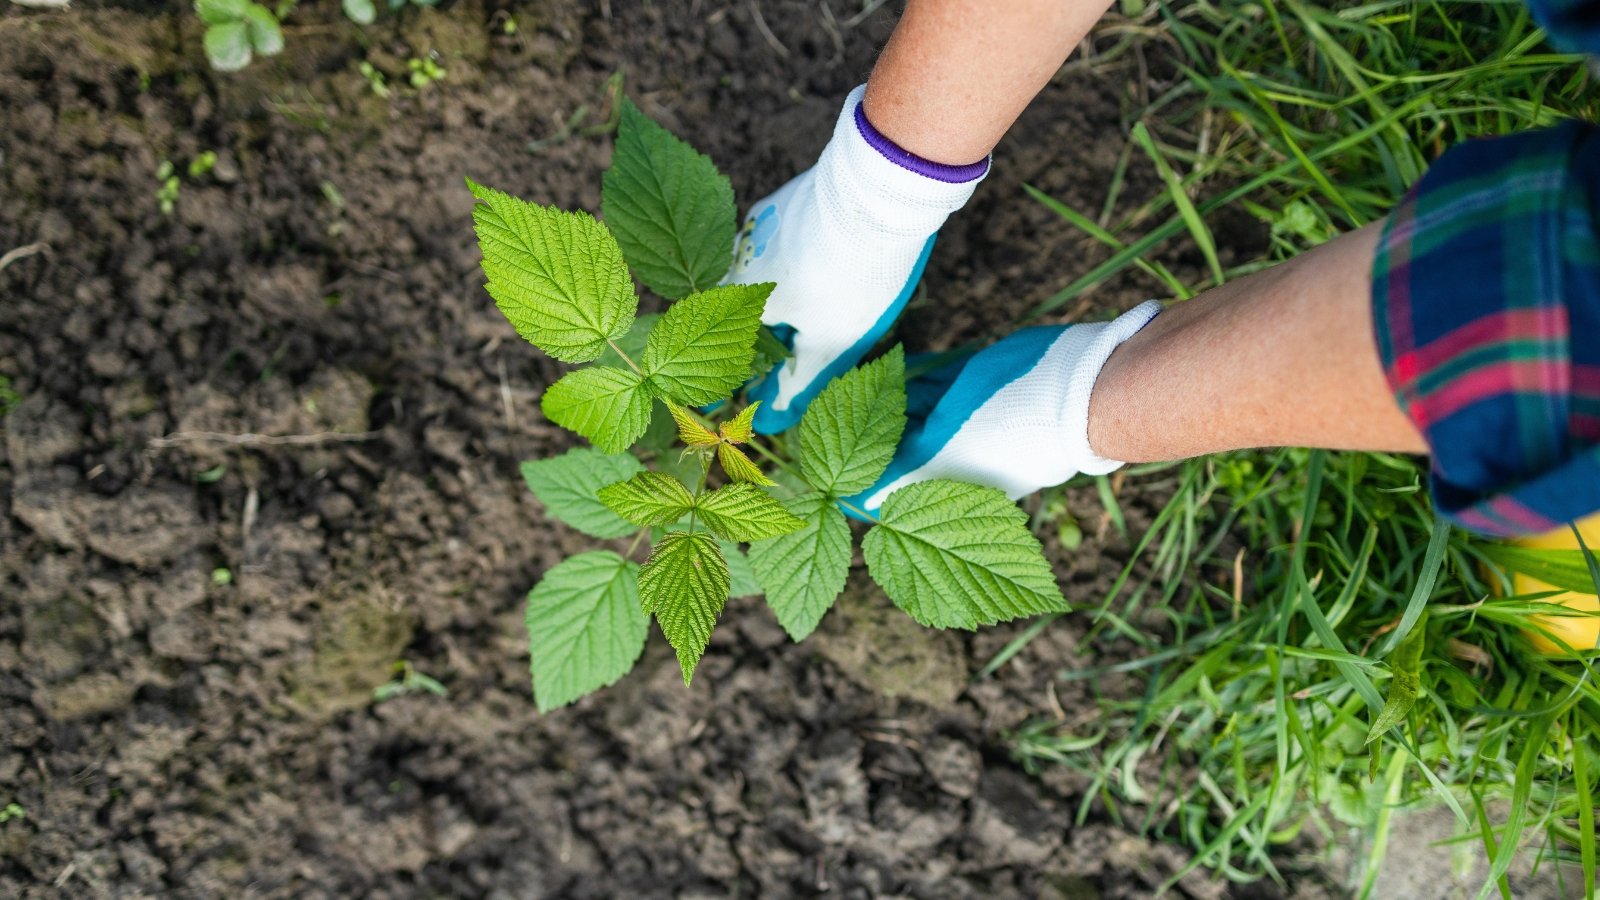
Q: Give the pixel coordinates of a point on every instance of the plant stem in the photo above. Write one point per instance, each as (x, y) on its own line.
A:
(636, 539)
(625, 357)
(773, 458)
(767, 454)
(778, 461)
(855, 509)
(705, 472)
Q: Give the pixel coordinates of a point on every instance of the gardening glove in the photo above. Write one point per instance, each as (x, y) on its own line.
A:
(846, 242)
(1014, 416)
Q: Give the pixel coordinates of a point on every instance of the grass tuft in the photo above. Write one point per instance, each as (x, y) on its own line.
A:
(1314, 598)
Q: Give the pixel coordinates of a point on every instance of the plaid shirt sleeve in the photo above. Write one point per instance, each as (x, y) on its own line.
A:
(1573, 25)
(1486, 306)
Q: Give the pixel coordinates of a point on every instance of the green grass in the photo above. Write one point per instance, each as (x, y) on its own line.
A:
(1330, 652)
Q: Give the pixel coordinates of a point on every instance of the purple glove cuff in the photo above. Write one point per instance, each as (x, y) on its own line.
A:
(905, 159)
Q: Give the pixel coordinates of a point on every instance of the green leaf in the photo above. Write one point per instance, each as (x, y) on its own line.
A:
(956, 555)
(685, 584)
(360, 12)
(1406, 665)
(701, 349)
(739, 467)
(769, 352)
(690, 431)
(671, 210)
(567, 486)
(648, 498)
(558, 276)
(660, 435)
(742, 578)
(585, 627)
(743, 512)
(610, 407)
(803, 571)
(739, 429)
(228, 46)
(849, 433)
(265, 35)
(220, 12)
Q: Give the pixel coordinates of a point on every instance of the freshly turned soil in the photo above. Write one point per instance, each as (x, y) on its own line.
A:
(169, 734)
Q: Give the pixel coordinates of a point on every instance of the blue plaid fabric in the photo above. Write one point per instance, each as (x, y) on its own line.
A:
(1486, 305)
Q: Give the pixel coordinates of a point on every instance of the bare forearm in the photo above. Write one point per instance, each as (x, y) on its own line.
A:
(1284, 357)
(957, 73)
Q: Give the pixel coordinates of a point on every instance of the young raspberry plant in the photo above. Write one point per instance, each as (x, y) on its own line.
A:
(657, 397)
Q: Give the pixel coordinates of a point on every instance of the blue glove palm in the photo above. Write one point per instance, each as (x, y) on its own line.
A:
(1014, 416)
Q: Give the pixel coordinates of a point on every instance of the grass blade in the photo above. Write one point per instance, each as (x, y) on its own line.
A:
(1090, 227)
(1516, 820)
(1490, 846)
(1380, 827)
(1584, 788)
(1015, 645)
(1180, 199)
(1423, 592)
(1223, 837)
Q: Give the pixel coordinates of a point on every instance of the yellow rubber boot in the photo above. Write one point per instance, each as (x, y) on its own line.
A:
(1580, 633)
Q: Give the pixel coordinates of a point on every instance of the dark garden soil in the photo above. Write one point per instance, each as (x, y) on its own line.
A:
(169, 735)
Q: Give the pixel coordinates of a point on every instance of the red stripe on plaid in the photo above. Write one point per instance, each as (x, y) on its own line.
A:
(1585, 428)
(1534, 376)
(1548, 323)
(1511, 510)
(1586, 380)
(1503, 515)
(1473, 519)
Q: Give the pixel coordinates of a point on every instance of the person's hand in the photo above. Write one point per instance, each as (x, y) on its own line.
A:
(1014, 416)
(846, 242)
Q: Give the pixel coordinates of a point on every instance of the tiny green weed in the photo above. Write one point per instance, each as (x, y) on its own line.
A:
(171, 187)
(172, 183)
(376, 80)
(365, 12)
(202, 164)
(424, 71)
(577, 124)
(238, 31)
(9, 398)
(407, 680)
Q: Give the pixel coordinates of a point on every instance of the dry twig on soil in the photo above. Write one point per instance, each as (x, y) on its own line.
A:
(23, 252)
(766, 33)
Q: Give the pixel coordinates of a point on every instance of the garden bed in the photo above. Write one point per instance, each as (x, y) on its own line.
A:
(195, 619)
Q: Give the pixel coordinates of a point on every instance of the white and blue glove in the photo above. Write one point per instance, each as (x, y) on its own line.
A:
(846, 242)
(1014, 416)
